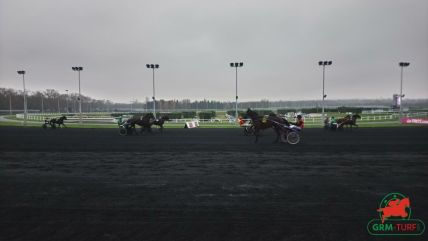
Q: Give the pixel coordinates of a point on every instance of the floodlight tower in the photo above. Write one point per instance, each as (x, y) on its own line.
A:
(66, 100)
(236, 65)
(153, 67)
(323, 64)
(78, 69)
(402, 65)
(22, 72)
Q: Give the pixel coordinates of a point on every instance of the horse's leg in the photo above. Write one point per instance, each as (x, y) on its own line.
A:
(256, 133)
(134, 130)
(277, 134)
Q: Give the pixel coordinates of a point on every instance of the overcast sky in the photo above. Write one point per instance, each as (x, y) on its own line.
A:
(193, 41)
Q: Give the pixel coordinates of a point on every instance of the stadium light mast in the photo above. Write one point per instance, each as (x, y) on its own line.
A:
(78, 69)
(59, 107)
(42, 96)
(22, 72)
(10, 103)
(402, 65)
(323, 64)
(236, 65)
(153, 67)
(66, 100)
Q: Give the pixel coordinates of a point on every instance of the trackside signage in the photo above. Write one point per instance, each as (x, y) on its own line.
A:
(395, 217)
(408, 120)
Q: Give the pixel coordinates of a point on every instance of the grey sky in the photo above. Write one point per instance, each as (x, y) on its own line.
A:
(280, 43)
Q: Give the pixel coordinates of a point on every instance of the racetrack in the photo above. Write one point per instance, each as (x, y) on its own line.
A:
(205, 184)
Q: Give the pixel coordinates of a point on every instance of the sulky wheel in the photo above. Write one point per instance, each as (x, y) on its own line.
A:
(122, 131)
(293, 137)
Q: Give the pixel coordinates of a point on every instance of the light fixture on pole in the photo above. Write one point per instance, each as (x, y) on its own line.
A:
(78, 69)
(22, 72)
(402, 65)
(236, 65)
(323, 64)
(153, 67)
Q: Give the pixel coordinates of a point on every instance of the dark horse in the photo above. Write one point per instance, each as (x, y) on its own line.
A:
(159, 122)
(262, 122)
(348, 121)
(145, 122)
(55, 121)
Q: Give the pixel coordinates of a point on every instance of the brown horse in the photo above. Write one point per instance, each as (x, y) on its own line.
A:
(343, 120)
(348, 121)
(262, 122)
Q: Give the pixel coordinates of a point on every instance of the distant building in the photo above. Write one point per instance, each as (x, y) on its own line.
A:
(396, 101)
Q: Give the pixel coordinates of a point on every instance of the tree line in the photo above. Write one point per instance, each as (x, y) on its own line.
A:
(51, 100)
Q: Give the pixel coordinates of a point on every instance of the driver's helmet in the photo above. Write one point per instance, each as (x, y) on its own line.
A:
(299, 117)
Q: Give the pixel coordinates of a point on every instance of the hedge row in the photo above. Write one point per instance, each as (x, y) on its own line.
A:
(244, 113)
(319, 109)
(173, 115)
(212, 114)
(206, 115)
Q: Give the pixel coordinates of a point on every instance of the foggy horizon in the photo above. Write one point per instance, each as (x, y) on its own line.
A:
(75, 95)
(279, 42)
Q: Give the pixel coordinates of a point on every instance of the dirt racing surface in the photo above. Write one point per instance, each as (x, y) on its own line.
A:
(205, 184)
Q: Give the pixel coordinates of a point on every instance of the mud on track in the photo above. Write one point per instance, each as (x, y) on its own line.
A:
(205, 184)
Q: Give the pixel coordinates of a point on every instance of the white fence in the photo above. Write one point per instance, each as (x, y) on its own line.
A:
(87, 119)
(308, 120)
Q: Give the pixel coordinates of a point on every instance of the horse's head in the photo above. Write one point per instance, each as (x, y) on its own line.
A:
(251, 113)
(166, 118)
(148, 116)
(405, 202)
(64, 117)
(356, 116)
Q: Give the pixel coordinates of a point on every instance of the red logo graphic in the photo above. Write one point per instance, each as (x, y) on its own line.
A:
(395, 217)
(395, 208)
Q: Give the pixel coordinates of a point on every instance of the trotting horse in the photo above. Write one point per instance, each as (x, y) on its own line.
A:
(262, 122)
(145, 122)
(159, 122)
(348, 121)
(57, 121)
